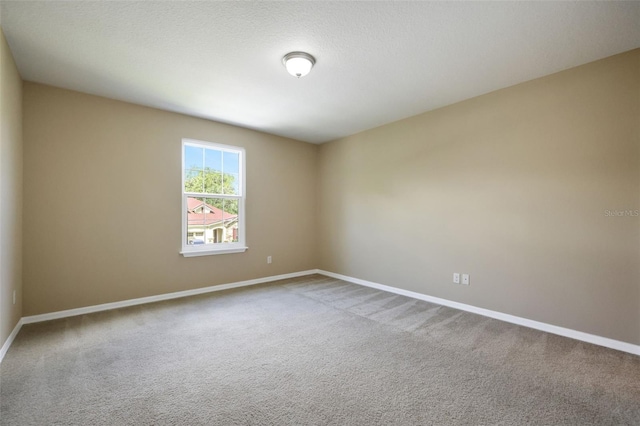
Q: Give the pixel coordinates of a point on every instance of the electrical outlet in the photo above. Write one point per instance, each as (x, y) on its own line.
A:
(456, 278)
(269, 259)
(465, 279)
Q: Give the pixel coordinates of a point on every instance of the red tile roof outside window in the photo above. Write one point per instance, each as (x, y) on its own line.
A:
(215, 214)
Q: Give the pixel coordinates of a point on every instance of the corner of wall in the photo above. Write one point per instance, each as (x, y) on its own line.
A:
(11, 190)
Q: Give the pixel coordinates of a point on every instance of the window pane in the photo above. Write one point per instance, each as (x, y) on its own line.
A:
(213, 160)
(230, 218)
(213, 182)
(231, 184)
(194, 181)
(196, 221)
(211, 220)
(193, 160)
(215, 206)
(231, 172)
(193, 164)
(231, 162)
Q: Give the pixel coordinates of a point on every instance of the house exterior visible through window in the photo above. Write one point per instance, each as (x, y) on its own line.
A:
(213, 198)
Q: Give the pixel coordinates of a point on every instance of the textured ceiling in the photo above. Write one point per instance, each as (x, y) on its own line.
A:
(377, 62)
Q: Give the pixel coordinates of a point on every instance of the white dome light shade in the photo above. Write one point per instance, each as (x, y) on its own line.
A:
(298, 64)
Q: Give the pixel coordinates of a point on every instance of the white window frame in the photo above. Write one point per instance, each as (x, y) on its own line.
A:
(221, 248)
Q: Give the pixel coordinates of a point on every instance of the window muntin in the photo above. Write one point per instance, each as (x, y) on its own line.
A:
(213, 187)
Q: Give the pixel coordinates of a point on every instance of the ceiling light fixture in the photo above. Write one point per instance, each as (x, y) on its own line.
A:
(298, 64)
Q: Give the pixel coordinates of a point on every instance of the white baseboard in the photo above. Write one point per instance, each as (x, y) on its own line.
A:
(561, 331)
(9, 341)
(160, 297)
(549, 328)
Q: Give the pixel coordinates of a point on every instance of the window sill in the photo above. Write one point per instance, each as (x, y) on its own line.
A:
(211, 251)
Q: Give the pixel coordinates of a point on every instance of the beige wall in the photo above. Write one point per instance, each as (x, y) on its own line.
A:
(102, 202)
(510, 187)
(10, 192)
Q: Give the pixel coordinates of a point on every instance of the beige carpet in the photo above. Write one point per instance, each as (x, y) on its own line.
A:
(309, 351)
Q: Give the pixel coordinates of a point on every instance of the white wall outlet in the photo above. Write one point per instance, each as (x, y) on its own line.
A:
(456, 278)
(14, 297)
(465, 279)
(269, 260)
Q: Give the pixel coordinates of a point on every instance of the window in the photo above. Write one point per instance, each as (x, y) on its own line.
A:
(213, 194)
